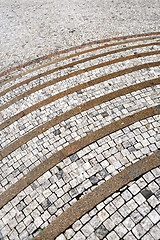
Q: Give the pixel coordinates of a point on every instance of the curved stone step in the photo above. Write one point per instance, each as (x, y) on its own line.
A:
(75, 48)
(95, 150)
(71, 149)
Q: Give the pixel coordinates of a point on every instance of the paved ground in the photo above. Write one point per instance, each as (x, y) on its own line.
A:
(80, 120)
(36, 27)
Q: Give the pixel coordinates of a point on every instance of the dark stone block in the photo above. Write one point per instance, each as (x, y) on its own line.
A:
(74, 192)
(101, 232)
(105, 114)
(131, 149)
(15, 173)
(21, 206)
(22, 127)
(46, 184)
(46, 204)
(120, 108)
(73, 157)
(59, 174)
(79, 92)
(57, 132)
(22, 168)
(93, 180)
(103, 173)
(93, 114)
(133, 141)
(34, 185)
(146, 193)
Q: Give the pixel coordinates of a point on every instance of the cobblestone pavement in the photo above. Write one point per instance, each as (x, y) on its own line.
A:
(131, 213)
(31, 29)
(80, 127)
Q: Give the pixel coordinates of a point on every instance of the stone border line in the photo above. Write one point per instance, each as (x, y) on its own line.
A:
(72, 148)
(74, 89)
(75, 63)
(37, 60)
(100, 193)
(74, 55)
(83, 107)
(47, 84)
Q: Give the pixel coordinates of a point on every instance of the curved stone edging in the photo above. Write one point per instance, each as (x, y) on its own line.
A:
(100, 193)
(74, 89)
(75, 54)
(83, 107)
(73, 148)
(47, 84)
(75, 63)
(74, 48)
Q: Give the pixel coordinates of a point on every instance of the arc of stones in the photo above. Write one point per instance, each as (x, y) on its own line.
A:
(99, 194)
(75, 48)
(122, 59)
(75, 63)
(76, 54)
(62, 94)
(72, 90)
(72, 148)
(83, 107)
